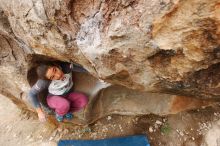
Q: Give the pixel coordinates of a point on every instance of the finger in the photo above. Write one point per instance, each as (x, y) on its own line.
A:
(43, 120)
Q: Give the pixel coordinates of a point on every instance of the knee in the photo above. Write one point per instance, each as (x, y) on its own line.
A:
(63, 108)
(84, 100)
(79, 97)
(65, 105)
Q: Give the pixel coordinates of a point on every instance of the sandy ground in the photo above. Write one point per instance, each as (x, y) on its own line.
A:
(17, 129)
(193, 128)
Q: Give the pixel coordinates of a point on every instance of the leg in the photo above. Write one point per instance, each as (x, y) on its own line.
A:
(59, 103)
(78, 101)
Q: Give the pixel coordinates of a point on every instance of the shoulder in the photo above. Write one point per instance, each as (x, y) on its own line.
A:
(66, 67)
(41, 84)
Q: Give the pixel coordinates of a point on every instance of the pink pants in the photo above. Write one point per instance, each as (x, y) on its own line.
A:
(71, 102)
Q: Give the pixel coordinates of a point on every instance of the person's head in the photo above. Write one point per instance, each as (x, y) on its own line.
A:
(49, 72)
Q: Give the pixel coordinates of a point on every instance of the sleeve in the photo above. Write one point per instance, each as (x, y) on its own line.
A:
(77, 68)
(39, 86)
(69, 67)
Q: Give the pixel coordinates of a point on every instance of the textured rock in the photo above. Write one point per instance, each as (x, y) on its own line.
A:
(212, 136)
(163, 46)
(119, 100)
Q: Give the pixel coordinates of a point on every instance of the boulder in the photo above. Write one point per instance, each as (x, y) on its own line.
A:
(165, 50)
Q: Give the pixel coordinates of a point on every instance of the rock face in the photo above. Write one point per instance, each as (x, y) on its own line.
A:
(163, 46)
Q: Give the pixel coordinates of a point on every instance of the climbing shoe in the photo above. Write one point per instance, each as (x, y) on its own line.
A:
(59, 118)
(68, 116)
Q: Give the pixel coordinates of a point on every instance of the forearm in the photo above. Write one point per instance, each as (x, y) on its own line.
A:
(34, 100)
(38, 110)
(35, 103)
(41, 114)
(77, 68)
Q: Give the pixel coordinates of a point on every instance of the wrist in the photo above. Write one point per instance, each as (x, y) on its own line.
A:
(39, 110)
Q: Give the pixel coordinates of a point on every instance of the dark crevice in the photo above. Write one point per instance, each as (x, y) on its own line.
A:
(202, 84)
(78, 78)
(216, 52)
(162, 58)
(4, 56)
(12, 51)
(206, 78)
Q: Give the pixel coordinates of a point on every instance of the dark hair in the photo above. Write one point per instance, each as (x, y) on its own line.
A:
(42, 70)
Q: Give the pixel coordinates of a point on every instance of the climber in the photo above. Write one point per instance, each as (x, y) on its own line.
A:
(58, 80)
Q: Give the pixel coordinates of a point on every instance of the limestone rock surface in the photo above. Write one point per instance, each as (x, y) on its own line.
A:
(162, 46)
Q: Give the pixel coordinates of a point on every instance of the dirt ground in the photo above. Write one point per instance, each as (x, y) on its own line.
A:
(199, 127)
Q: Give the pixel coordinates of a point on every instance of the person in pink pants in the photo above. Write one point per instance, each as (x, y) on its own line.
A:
(71, 102)
(57, 79)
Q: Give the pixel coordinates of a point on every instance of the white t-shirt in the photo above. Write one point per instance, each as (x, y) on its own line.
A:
(60, 87)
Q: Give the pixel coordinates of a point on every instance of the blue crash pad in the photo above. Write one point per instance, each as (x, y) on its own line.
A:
(137, 140)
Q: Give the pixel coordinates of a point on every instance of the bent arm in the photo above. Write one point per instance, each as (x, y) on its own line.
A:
(69, 67)
(39, 86)
(77, 68)
(33, 98)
